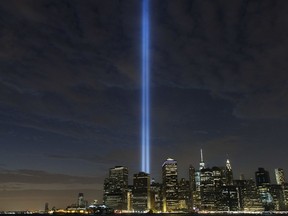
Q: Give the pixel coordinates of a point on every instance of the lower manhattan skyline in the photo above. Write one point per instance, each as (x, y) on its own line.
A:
(70, 92)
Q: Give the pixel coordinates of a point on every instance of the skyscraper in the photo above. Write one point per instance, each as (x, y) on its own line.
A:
(280, 178)
(192, 187)
(156, 196)
(262, 177)
(196, 193)
(141, 192)
(207, 189)
(115, 188)
(170, 185)
(228, 173)
(184, 194)
(81, 202)
(202, 164)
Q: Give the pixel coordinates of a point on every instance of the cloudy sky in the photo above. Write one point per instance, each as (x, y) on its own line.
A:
(70, 91)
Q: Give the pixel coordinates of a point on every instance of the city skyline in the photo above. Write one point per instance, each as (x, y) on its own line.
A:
(70, 91)
(206, 188)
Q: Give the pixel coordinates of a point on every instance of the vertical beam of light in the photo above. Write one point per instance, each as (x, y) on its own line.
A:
(145, 94)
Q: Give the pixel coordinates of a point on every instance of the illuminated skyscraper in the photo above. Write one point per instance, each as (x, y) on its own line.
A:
(196, 192)
(115, 188)
(210, 187)
(202, 164)
(170, 185)
(197, 173)
(228, 173)
(141, 192)
(280, 178)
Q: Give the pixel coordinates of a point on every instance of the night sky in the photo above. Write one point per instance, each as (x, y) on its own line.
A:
(70, 105)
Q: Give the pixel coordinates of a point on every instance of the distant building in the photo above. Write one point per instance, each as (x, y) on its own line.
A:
(170, 185)
(156, 196)
(207, 188)
(285, 195)
(262, 177)
(228, 199)
(196, 196)
(280, 178)
(184, 194)
(248, 195)
(192, 187)
(130, 198)
(81, 203)
(251, 197)
(240, 184)
(115, 188)
(46, 209)
(228, 173)
(216, 195)
(202, 163)
(141, 192)
(277, 197)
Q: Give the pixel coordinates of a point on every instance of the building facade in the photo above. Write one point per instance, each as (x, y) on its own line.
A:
(280, 177)
(115, 188)
(141, 192)
(170, 185)
(262, 177)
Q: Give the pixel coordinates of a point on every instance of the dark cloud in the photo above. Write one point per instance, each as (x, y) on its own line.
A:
(42, 177)
(226, 47)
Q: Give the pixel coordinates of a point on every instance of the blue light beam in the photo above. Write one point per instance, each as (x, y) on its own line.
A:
(145, 140)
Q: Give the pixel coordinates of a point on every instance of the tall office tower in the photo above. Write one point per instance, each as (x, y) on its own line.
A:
(81, 202)
(192, 178)
(196, 192)
(156, 196)
(202, 164)
(141, 192)
(198, 172)
(184, 194)
(210, 188)
(115, 188)
(46, 210)
(170, 185)
(228, 173)
(207, 190)
(192, 187)
(280, 178)
(262, 177)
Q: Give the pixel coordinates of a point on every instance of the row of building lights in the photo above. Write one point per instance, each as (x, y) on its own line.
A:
(207, 190)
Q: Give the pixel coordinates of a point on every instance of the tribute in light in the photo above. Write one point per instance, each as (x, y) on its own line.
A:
(145, 133)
